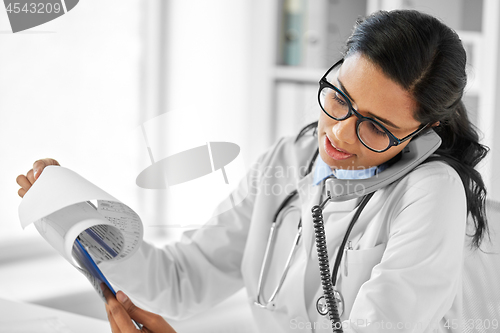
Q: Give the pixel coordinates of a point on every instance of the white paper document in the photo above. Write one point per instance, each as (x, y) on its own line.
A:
(60, 206)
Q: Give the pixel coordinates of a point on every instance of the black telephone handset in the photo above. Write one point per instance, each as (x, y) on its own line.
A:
(411, 156)
(417, 151)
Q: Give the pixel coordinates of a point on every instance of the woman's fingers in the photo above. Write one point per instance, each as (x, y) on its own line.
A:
(39, 165)
(109, 296)
(121, 311)
(114, 328)
(21, 192)
(118, 317)
(32, 175)
(112, 323)
(25, 184)
(151, 321)
(134, 312)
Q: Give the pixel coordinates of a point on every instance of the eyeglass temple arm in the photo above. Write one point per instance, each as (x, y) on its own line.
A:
(409, 136)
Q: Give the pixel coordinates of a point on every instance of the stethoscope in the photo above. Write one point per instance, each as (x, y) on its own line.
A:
(325, 303)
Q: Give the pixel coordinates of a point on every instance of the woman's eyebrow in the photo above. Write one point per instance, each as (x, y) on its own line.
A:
(345, 90)
(385, 121)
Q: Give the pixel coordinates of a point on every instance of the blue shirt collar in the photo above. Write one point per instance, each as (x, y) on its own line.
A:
(323, 170)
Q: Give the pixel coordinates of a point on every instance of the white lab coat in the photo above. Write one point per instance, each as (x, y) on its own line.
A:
(404, 271)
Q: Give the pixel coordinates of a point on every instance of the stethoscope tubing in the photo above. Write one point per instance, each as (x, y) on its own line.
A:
(272, 236)
(270, 240)
(341, 248)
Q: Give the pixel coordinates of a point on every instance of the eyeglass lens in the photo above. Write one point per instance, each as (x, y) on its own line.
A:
(369, 132)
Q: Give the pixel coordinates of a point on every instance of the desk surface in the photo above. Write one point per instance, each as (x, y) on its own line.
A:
(15, 317)
(21, 317)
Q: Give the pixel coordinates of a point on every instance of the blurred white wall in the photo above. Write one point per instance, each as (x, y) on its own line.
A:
(73, 89)
(207, 56)
(69, 90)
(78, 89)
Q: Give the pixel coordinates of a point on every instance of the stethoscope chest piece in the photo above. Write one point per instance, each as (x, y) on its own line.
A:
(322, 307)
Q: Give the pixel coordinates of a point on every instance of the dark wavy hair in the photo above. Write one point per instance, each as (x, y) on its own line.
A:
(427, 58)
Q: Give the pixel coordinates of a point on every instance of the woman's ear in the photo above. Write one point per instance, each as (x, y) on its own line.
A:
(437, 123)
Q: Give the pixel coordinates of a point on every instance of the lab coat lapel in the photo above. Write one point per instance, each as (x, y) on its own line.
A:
(337, 216)
(309, 195)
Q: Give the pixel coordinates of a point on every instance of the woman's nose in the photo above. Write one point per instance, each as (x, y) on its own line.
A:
(345, 130)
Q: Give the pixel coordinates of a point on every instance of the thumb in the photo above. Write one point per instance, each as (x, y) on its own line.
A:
(134, 312)
(151, 321)
(39, 165)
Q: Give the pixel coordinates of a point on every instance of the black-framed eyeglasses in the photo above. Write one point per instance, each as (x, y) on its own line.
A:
(372, 134)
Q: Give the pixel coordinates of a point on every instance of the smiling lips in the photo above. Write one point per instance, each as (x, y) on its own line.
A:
(334, 152)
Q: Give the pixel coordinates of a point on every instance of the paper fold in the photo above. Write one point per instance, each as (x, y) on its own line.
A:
(56, 188)
(59, 205)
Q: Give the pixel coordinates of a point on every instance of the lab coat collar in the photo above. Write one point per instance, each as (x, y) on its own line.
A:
(323, 170)
(309, 195)
(305, 188)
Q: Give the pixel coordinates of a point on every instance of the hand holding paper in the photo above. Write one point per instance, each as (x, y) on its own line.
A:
(31, 176)
(57, 203)
(121, 312)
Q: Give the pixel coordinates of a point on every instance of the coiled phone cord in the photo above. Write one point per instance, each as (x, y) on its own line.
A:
(327, 281)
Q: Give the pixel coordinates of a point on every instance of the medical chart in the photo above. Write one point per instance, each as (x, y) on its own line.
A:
(61, 206)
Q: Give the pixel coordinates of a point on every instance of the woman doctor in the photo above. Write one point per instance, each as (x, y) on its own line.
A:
(403, 73)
